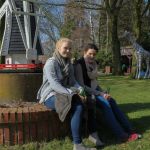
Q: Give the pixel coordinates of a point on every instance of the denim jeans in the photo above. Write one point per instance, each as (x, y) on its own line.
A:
(76, 117)
(114, 117)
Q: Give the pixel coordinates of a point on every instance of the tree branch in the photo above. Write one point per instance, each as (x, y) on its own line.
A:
(120, 4)
(64, 4)
(47, 32)
(113, 6)
(107, 6)
(92, 4)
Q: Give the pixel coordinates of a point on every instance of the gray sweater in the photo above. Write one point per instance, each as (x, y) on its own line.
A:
(53, 81)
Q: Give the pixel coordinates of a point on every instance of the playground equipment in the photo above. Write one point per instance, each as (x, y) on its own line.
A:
(141, 55)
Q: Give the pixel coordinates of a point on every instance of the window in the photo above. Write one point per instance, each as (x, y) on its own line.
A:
(18, 10)
(31, 8)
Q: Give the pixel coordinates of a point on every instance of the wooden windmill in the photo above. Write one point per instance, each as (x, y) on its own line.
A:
(20, 43)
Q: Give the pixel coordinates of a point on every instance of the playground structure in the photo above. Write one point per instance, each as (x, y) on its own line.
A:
(141, 55)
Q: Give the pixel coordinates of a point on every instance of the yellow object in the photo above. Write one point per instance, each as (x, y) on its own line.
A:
(19, 86)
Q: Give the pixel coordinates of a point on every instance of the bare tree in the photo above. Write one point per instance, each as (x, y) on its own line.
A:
(75, 24)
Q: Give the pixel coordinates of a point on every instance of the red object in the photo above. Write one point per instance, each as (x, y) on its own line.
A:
(133, 137)
(21, 66)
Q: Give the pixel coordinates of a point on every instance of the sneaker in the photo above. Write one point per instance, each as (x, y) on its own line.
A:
(82, 147)
(134, 132)
(139, 135)
(94, 138)
(133, 137)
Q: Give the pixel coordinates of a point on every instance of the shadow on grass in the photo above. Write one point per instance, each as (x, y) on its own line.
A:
(142, 123)
(132, 107)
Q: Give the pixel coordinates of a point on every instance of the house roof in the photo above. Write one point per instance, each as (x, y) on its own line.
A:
(126, 50)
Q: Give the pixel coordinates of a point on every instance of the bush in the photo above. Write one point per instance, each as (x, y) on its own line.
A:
(104, 58)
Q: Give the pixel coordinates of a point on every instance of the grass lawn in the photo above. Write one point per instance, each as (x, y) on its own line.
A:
(133, 98)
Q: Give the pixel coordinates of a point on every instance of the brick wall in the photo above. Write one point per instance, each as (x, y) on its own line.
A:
(25, 124)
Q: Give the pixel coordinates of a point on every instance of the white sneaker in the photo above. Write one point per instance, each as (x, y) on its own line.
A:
(95, 139)
(82, 147)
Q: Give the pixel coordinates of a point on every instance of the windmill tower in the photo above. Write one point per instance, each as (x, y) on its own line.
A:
(20, 43)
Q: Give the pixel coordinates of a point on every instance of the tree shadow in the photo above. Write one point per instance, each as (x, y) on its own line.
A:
(141, 124)
(133, 107)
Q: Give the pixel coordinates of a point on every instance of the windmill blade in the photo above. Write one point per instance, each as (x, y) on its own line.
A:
(44, 6)
(3, 10)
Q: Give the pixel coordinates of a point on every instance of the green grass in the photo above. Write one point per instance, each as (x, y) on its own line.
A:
(133, 98)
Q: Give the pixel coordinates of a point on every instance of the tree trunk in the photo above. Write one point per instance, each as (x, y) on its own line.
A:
(115, 44)
(2, 25)
(99, 32)
(136, 28)
(113, 9)
(108, 26)
(137, 23)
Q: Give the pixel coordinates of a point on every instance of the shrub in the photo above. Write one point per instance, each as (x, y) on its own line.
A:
(104, 58)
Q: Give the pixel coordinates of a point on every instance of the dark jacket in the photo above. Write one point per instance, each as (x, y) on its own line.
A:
(83, 79)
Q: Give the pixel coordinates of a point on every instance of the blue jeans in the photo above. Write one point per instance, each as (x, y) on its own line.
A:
(76, 117)
(114, 117)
